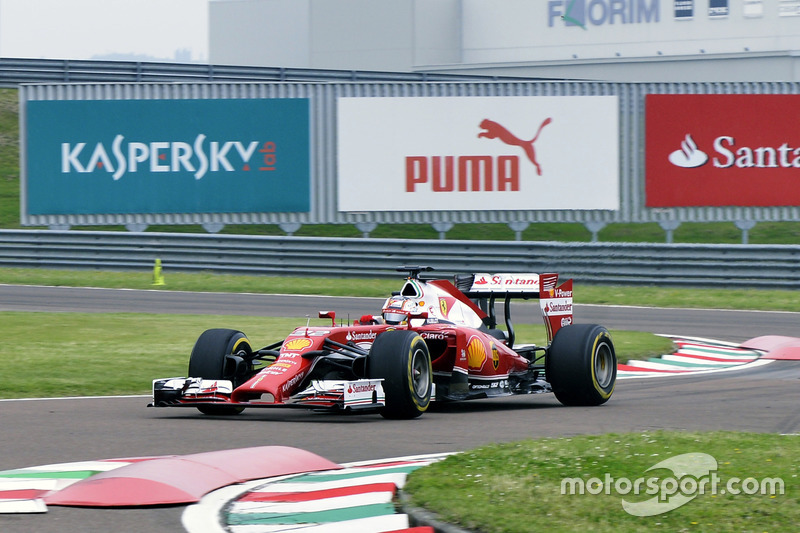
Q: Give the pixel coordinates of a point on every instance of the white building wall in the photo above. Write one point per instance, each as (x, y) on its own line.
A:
(368, 34)
(616, 40)
(438, 32)
(271, 33)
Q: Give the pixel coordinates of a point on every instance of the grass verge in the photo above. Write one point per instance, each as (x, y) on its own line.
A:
(82, 354)
(517, 487)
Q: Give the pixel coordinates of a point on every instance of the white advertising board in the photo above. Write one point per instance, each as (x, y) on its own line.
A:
(478, 153)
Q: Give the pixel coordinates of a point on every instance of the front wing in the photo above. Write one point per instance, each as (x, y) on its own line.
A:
(320, 394)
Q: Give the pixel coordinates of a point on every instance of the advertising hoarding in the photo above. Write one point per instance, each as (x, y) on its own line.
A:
(722, 150)
(478, 153)
(167, 156)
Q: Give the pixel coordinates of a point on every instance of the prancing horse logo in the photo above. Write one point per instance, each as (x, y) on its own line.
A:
(496, 131)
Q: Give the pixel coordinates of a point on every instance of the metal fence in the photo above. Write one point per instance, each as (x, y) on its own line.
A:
(73, 79)
(323, 164)
(16, 71)
(687, 265)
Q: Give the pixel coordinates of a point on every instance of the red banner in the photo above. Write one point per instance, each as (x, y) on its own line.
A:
(722, 150)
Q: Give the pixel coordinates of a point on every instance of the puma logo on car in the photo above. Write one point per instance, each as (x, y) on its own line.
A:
(493, 130)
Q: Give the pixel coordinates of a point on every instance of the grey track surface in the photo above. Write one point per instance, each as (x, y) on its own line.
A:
(729, 325)
(37, 432)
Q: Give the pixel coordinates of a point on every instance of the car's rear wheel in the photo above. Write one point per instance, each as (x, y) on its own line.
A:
(581, 365)
(223, 354)
(403, 361)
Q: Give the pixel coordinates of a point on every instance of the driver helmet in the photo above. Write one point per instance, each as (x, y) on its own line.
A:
(394, 318)
(397, 309)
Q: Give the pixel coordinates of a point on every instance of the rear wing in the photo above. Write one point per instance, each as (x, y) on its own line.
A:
(555, 300)
(511, 285)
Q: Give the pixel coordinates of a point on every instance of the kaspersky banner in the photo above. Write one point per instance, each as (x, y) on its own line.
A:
(167, 156)
(722, 150)
(478, 153)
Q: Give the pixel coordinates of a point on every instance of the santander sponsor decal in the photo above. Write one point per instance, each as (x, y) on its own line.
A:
(557, 307)
(559, 302)
(728, 154)
(353, 388)
(449, 173)
(722, 150)
(368, 336)
(506, 282)
(688, 156)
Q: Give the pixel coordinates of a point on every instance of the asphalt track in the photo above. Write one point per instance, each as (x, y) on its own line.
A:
(734, 326)
(36, 432)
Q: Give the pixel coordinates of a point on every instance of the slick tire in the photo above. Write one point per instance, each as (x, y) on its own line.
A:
(214, 356)
(403, 361)
(581, 365)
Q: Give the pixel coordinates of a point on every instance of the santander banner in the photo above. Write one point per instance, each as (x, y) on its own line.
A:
(478, 153)
(722, 150)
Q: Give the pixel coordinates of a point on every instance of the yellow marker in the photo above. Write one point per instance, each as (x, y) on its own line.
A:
(158, 276)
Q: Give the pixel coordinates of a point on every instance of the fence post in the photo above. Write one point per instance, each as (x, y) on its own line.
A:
(745, 226)
(669, 226)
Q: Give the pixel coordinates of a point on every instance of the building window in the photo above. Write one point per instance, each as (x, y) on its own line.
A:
(718, 9)
(684, 9)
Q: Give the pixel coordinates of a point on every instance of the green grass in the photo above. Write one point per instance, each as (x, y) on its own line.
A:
(517, 487)
(9, 159)
(747, 299)
(78, 354)
(89, 342)
(82, 354)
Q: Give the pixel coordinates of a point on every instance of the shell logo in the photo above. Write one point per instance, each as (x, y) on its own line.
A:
(476, 353)
(297, 344)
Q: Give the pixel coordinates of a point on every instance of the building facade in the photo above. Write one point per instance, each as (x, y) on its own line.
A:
(610, 40)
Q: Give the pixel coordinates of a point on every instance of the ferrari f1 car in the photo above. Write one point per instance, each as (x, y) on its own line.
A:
(434, 340)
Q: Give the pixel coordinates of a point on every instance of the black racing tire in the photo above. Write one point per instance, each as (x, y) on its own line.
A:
(581, 365)
(209, 360)
(403, 361)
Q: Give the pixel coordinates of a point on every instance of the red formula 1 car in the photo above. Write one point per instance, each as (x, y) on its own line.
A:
(434, 340)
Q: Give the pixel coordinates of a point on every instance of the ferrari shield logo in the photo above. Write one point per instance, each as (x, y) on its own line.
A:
(495, 357)
(443, 306)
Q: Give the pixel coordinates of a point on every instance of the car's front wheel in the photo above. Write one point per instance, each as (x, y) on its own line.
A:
(581, 365)
(223, 354)
(403, 361)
